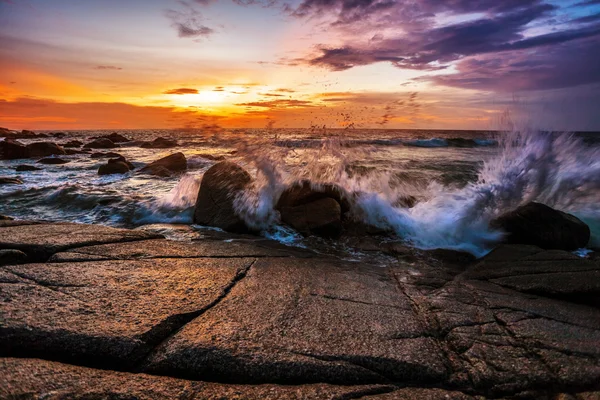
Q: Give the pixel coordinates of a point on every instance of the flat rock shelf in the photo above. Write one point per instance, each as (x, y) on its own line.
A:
(98, 312)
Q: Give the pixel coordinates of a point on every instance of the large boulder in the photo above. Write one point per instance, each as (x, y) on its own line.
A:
(12, 150)
(322, 217)
(101, 144)
(160, 143)
(12, 257)
(115, 138)
(174, 163)
(73, 143)
(539, 225)
(115, 166)
(304, 192)
(220, 186)
(45, 149)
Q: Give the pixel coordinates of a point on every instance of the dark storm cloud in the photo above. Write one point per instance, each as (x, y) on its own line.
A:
(181, 91)
(556, 67)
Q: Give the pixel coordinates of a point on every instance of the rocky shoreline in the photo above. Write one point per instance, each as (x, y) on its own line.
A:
(98, 312)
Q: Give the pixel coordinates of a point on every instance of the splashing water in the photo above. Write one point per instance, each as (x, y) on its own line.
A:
(530, 165)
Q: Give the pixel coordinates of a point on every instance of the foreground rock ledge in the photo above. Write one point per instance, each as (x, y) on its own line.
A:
(162, 318)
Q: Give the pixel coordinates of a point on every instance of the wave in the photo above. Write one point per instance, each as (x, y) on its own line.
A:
(431, 142)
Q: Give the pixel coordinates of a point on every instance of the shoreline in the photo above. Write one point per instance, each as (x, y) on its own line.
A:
(254, 318)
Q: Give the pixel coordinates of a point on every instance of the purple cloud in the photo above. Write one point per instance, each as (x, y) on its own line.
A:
(189, 22)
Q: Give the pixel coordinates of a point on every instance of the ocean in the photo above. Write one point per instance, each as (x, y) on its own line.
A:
(460, 179)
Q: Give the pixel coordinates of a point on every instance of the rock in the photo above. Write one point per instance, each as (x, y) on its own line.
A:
(53, 161)
(12, 150)
(40, 241)
(45, 149)
(220, 186)
(406, 201)
(539, 225)
(175, 163)
(5, 218)
(40, 379)
(101, 144)
(302, 192)
(321, 217)
(5, 180)
(72, 152)
(106, 155)
(59, 134)
(115, 167)
(160, 143)
(115, 138)
(11, 257)
(23, 168)
(211, 157)
(73, 143)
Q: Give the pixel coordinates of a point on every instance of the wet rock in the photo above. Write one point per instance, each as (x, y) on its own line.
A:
(175, 163)
(115, 166)
(53, 161)
(211, 157)
(5, 180)
(101, 144)
(12, 257)
(321, 217)
(39, 379)
(58, 134)
(105, 155)
(303, 192)
(220, 186)
(45, 149)
(160, 143)
(5, 218)
(73, 143)
(406, 201)
(12, 150)
(539, 225)
(115, 138)
(24, 168)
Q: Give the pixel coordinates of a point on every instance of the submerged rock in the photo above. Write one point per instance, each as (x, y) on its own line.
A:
(45, 149)
(322, 217)
(105, 155)
(53, 161)
(5, 180)
(543, 226)
(116, 166)
(5, 218)
(73, 143)
(13, 150)
(115, 138)
(175, 163)
(220, 186)
(101, 144)
(160, 143)
(24, 168)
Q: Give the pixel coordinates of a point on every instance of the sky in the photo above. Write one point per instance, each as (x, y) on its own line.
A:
(392, 64)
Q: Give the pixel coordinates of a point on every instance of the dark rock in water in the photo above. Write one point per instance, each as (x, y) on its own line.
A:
(175, 163)
(160, 143)
(72, 152)
(73, 143)
(158, 170)
(105, 155)
(45, 149)
(5, 180)
(5, 218)
(406, 201)
(220, 185)
(12, 150)
(24, 168)
(59, 134)
(303, 192)
(539, 225)
(211, 157)
(53, 161)
(12, 257)
(115, 166)
(101, 144)
(322, 217)
(5, 132)
(115, 138)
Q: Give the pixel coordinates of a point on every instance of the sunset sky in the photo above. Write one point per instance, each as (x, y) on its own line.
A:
(449, 64)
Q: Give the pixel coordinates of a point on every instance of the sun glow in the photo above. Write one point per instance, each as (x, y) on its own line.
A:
(202, 98)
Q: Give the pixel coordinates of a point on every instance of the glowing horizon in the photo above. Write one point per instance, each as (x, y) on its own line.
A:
(158, 64)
